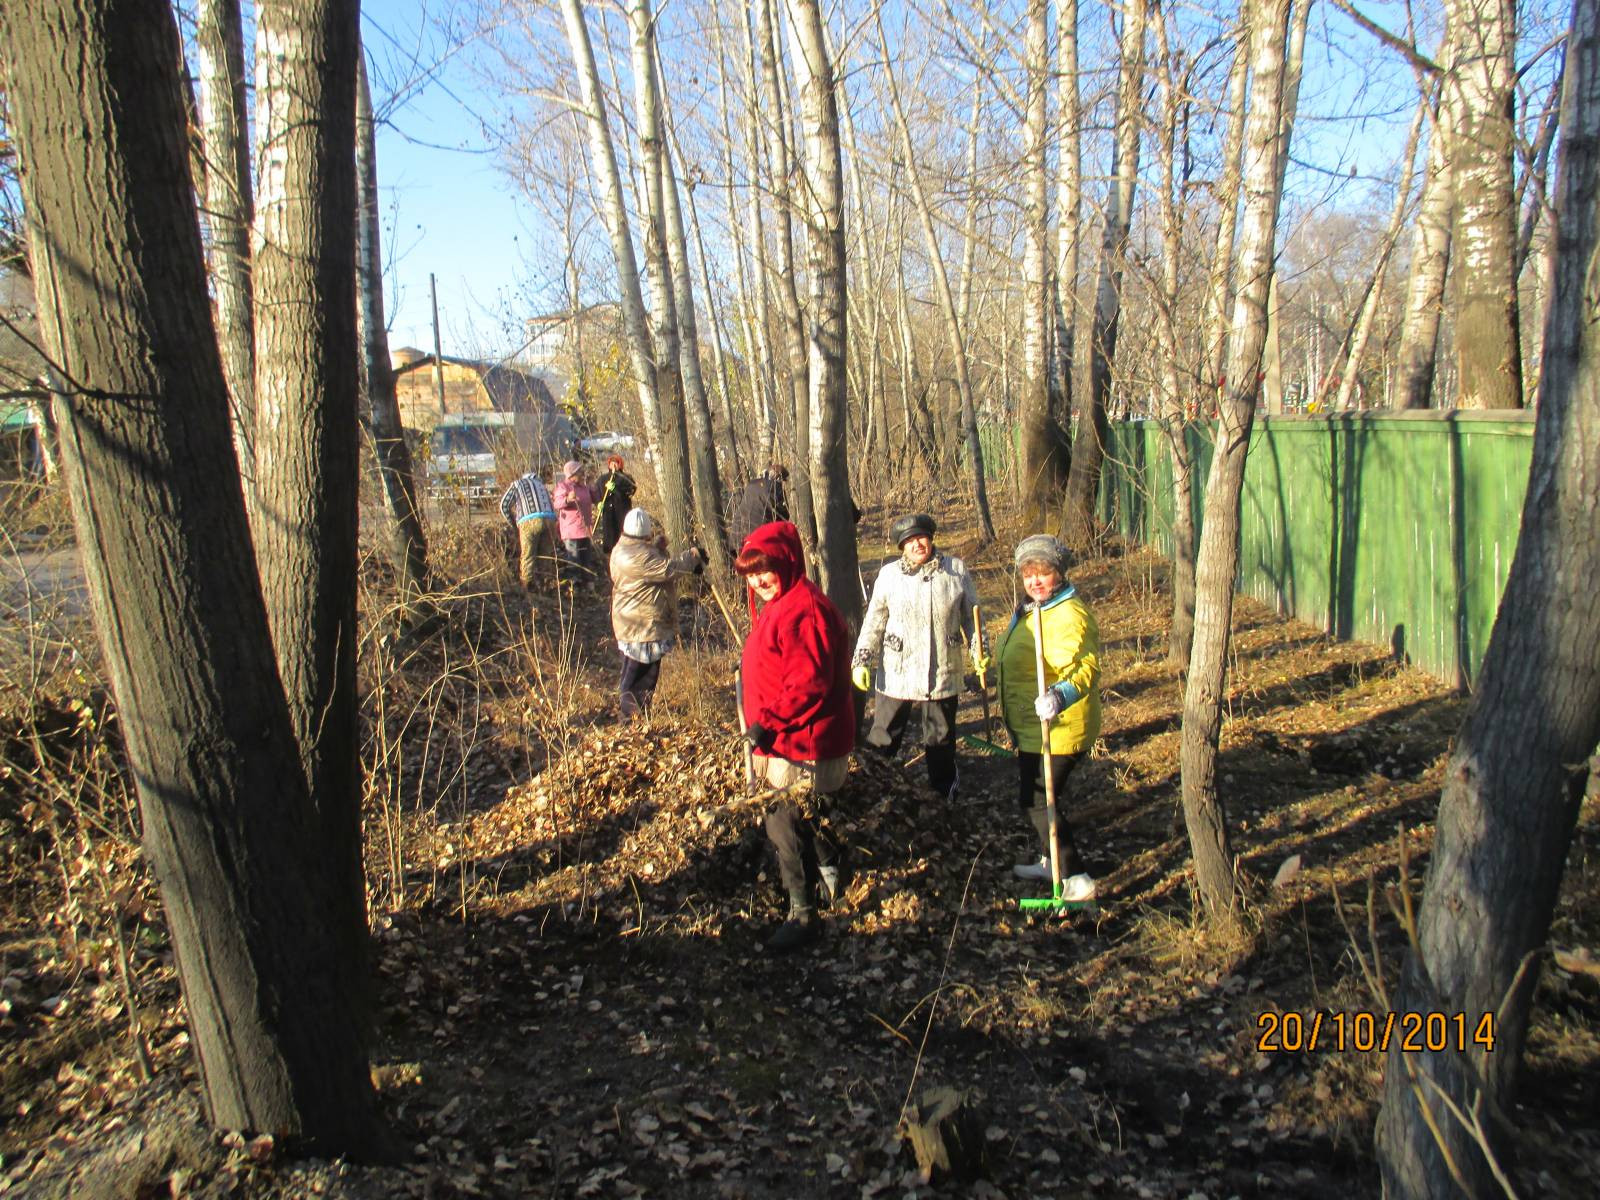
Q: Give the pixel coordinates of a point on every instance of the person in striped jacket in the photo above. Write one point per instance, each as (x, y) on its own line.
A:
(527, 505)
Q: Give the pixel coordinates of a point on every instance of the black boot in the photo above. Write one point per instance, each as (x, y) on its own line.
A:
(801, 929)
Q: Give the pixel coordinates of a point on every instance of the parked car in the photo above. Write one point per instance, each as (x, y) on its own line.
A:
(473, 456)
(604, 443)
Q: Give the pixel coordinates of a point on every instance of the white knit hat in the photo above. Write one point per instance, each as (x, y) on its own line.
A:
(638, 523)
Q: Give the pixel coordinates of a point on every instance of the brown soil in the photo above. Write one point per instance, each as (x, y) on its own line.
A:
(574, 999)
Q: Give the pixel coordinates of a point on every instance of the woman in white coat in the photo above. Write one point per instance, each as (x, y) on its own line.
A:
(911, 647)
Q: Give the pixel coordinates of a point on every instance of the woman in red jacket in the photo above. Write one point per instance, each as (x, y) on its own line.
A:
(799, 719)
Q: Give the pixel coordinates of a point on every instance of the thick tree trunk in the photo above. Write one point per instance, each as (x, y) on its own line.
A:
(1043, 443)
(408, 543)
(1217, 564)
(307, 396)
(838, 574)
(1516, 776)
(219, 43)
(252, 887)
(1089, 438)
(1482, 83)
(947, 303)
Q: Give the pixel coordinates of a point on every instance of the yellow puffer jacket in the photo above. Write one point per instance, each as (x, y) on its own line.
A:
(1071, 654)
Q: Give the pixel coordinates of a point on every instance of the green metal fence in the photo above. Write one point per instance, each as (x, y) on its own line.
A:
(1395, 528)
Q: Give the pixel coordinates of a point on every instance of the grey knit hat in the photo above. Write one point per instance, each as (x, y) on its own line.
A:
(1041, 547)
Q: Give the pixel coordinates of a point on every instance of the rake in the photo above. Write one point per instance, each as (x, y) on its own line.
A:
(1054, 903)
(984, 744)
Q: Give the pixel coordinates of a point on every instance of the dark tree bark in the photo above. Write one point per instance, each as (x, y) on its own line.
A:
(1218, 561)
(1517, 772)
(246, 877)
(307, 396)
(408, 543)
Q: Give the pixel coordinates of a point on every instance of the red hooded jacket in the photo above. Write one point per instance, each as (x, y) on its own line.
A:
(796, 664)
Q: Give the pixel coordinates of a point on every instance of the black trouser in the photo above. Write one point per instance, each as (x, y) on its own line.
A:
(891, 717)
(638, 686)
(1032, 800)
(803, 844)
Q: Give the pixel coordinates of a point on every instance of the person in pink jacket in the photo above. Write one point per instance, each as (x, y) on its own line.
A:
(574, 501)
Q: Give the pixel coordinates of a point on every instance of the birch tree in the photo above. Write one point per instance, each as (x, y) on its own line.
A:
(1217, 562)
(1515, 777)
(1430, 261)
(837, 568)
(229, 206)
(671, 440)
(603, 164)
(1088, 443)
(1042, 440)
(1481, 81)
(946, 299)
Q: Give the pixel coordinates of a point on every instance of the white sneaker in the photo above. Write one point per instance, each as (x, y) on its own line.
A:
(1077, 887)
(1038, 869)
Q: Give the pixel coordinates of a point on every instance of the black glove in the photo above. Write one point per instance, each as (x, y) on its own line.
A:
(758, 735)
(704, 558)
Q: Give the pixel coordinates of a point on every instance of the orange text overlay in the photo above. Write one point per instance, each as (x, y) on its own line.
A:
(1411, 1032)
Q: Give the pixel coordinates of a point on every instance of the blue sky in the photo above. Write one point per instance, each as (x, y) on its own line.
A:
(447, 210)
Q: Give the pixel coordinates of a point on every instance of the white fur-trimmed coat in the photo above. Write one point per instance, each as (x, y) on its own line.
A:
(912, 633)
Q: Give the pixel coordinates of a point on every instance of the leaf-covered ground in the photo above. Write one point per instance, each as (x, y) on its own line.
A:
(569, 915)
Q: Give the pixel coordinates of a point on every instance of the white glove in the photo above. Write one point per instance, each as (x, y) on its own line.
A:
(1047, 704)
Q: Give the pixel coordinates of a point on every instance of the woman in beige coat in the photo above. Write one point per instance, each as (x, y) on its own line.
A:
(644, 605)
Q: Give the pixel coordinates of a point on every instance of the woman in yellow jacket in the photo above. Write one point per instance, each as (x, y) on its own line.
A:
(1070, 702)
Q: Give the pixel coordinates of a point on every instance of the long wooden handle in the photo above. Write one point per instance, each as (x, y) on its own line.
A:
(1044, 750)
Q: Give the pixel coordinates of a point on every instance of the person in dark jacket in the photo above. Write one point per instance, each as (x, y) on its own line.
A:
(616, 488)
(762, 501)
(798, 716)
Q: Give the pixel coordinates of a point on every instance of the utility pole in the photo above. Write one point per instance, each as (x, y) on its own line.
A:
(438, 358)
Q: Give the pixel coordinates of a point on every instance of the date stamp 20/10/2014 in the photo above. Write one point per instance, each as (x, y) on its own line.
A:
(1412, 1032)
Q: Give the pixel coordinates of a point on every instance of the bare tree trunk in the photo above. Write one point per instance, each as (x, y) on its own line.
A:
(1089, 440)
(1515, 779)
(1482, 80)
(1217, 564)
(603, 160)
(838, 573)
(781, 170)
(254, 891)
(307, 391)
(409, 544)
(1181, 634)
(1043, 443)
(1219, 295)
(947, 302)
(1069, 202)
(1430, 261)
(758, 241)
(219, 42)
(671, 436)
(1361, 328)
